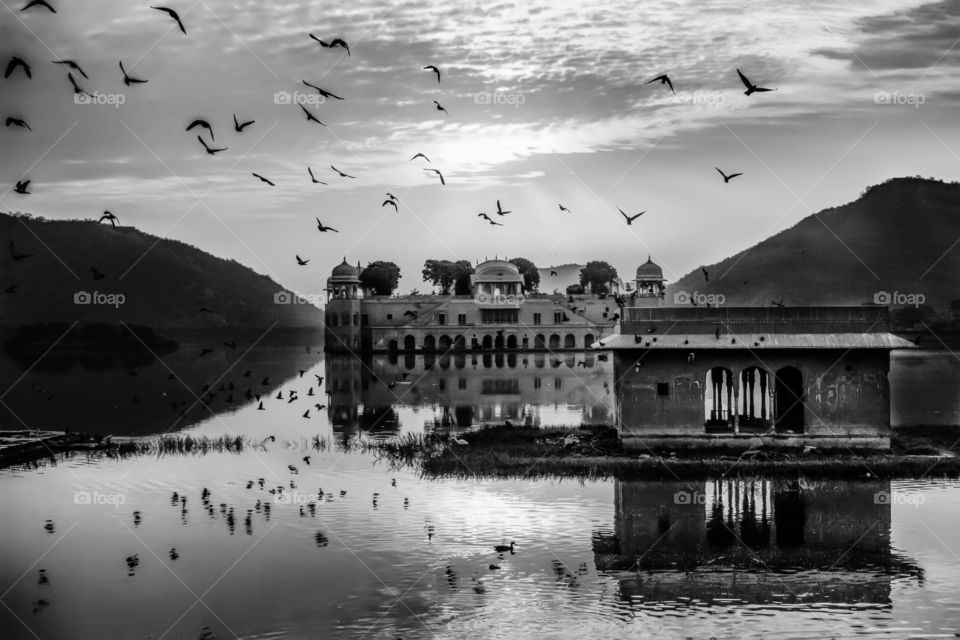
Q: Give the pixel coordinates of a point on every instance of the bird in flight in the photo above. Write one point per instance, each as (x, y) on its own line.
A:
(127, 80)
(440, 108)
(777, 303)
(664, 79)
(202, 123)
(336, 42)
(751, 88)
(73, 65)
(392, 202)
(420, 155)
(15, 62)
(324, 229)
(11, 121)
(436, 171)
(310, 116)
(173, 14)
(391, 196)
(257, 175)
(489, 219)
(21, 187)
(239, 126)
(313, 178)
(38, 3)
(97, 274)
(500, 211)
(342, 174)
(630, 219)
(17, 257)
(430, 67)
(706, 274)
(76, 88)
(323, 92)
(210, 150)
(301, 261)
(727, 178)
(563, 208)
(109, 216)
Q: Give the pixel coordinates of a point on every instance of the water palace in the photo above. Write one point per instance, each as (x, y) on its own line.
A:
(687, 376)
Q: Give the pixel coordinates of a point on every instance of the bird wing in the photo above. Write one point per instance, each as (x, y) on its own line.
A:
(734, 175)
(322, 43)
(743, 79)
(669, 84)
(721, 173)
(203, 143)
(442, 181)
(623, 214)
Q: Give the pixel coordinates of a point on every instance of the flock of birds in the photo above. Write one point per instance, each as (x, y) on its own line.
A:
(17, 63)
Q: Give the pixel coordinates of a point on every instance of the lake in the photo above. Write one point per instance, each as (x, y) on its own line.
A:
(346, 546)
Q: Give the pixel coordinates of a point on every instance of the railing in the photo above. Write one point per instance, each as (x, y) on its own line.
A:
(860, 319)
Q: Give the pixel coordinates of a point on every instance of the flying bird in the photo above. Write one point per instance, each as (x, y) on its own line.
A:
(11, 121)
(664, 79)
(630, 219)
(323, 228)
(706, 274)
(430, 67)
(73, 65)
(262, 179)
(76, 88)
(97, 274)
(202, 123)
(392, 202)
(440, 108)
(563, 208)
(127, 80)
(210, 150)
(751, 88)
(310, 116)
(727, 178)
(391, 196)
(553, 273)
(336, 42)
(110, 217)
(442, 181)
(420, 155)
(342, 174)
(313, 178)
(301, 261)
(15, 62)
(323, 92)
(489, 219)
(777, 303)
(38, 3)
(500, 211)
(21, 187)
(239, 126)
(173, 14)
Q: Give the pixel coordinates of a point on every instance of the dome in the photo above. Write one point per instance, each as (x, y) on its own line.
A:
(344, 269)
(649, 270)
(496, 271)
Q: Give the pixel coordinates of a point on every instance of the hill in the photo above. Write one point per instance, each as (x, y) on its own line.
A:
(899, 236)
(139, 279)
(567, 274)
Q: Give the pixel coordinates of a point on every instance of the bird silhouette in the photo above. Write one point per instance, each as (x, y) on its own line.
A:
(664, 79)
(324, 93)
(554, 273)
(77, 89)
(727, 178)
(342, 174)
(38, 3)
(173, 14)
(777, 303)
(489, 219)
(310, 116)
(391, 202)
(563, 208)
(430, 67)
(257, 175)
(127, 80)
(436, 171)
(313, 178)
(323, 228)
(502, 548)
(336, 42)
(210, 151)
(21, 187)
(15, 62)
(751, 88)
(420, 155)
(17, 257)
(73, 65)
(630, 219)
(500, 211)
(240, 126)
(110, 217)
(17, 122)
(97, 275)
(440, 108)
(201, 123)
(391, 196)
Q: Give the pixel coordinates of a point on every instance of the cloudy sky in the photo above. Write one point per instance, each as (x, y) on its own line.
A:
(547, 105)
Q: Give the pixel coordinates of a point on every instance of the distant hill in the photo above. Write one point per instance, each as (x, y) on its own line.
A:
(899, 236)
(567, 274)
(169, 286)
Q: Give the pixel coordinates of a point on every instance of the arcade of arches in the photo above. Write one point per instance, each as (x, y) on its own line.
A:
(753, 399)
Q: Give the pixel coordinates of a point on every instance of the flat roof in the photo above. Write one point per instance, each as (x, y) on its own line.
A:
(754, 341)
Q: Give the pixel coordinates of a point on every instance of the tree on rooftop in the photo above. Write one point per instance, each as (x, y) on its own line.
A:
(380, 277)
(597, 274)
(530, 273)
(446, 274)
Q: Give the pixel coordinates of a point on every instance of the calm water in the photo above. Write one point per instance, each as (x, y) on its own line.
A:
(400, 556)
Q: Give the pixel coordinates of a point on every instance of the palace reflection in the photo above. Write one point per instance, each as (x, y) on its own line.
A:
(466, 389)
(749, 541)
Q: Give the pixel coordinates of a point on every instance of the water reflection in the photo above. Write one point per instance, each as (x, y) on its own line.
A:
(753, 541)
(463, 390)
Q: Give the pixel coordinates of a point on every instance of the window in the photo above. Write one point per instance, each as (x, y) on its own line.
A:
(557, 317)
(462, 383)
(389, 316)
(364, 319)
(537, 383)
(537, 319)
(499, 316)
(346, 319)
(558, 383)
(442, 384)
(462, 319)
(441, 318)
(356, 319)
(333, 320)
(663, 388)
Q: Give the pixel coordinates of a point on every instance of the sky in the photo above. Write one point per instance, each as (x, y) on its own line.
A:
(547, 103)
